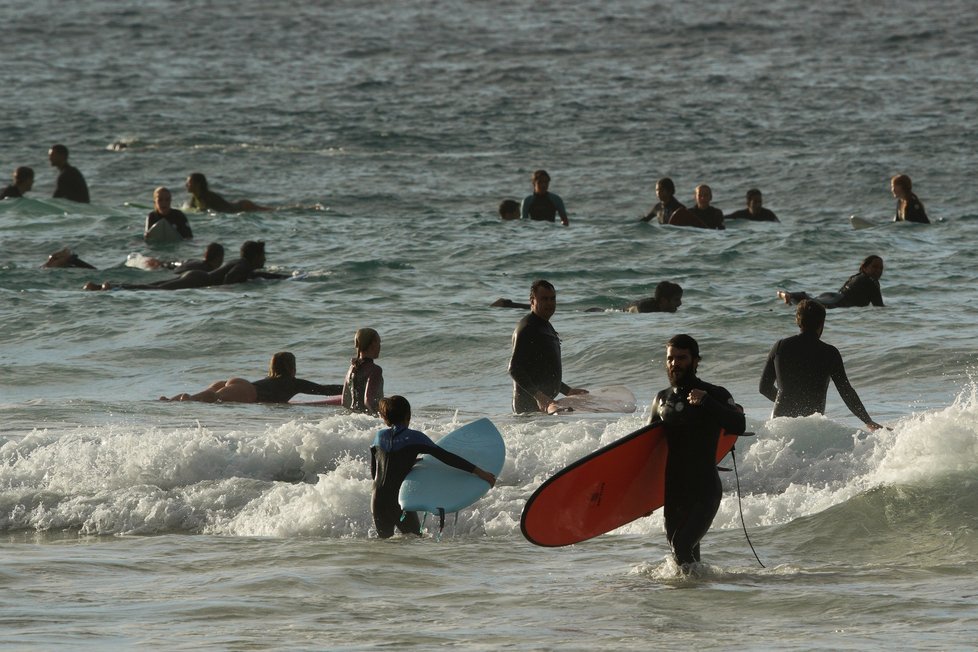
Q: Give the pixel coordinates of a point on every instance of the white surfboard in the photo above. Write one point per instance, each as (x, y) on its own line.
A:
(616, 398)
(432, 486)
(859, 223)
(162, 233)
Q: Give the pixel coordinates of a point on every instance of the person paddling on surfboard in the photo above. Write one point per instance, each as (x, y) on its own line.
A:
(796, 376)
(203, 198)
(693, 413)
(535, 364)
(163, 210)
(393, 453)
(862, 289)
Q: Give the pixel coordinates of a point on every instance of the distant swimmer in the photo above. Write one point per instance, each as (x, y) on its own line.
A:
(662, 212)
(535, 364)
(796, 376)
(163, 210)
(364, 384)
(543, 205)
(278, 387)
(204, 199)
(70, 184)
(668, 297)
(240, 270)
(393, 454)
(65, 257)
(862, 289)
(909, 208)
(509, 209)
(23, 182)
(213, 259)
(702, 215)
(693, 412)
(755, 209)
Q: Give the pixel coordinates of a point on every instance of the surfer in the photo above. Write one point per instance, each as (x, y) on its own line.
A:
(693, 413)
(163, 210)
(702, 215)
(665, 190)
(909, 208)
(204, 199)
(535, 363)
(543, 205)
(65, 257)
(393, 453)
(668, 297)
(70, 184)
(364, 384)
(23, 181)
(213, 258)
(755, 209)
(796, 376)
(509, 209)
(278, 387)
(862, 289)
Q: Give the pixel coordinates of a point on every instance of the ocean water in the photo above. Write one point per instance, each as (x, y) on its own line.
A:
(385, 137)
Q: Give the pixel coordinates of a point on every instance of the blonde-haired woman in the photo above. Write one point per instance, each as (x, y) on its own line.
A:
(364, 384)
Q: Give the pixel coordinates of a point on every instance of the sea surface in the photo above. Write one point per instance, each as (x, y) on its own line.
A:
(385, 136)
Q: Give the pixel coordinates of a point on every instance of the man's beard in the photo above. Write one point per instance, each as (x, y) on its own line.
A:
(681, 377)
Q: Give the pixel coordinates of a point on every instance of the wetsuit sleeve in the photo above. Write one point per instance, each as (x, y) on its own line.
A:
(374, 389)
(525, 207)
(652, 214)
(656, 402)
(721, 403)
(302, 386)
(451, 459)
(559, 203)
(521, 362)
(768, 376)
(151, 219)
(75, 261)
(846, 391)
(237, 274)
(876, 298)
(183, 226)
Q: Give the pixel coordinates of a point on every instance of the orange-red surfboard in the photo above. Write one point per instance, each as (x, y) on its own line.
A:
(612, 486)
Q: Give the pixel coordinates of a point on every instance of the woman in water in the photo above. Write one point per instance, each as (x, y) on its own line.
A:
(364, 384)
(392, 455)
(204, 199)
(909, 208)
(862, 289)
(278, 387)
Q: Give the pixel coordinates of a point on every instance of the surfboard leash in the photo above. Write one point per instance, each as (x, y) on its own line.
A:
(740, 507)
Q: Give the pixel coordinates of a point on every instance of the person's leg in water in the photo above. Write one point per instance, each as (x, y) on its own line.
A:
(687, 525)
(233, 390)
(410, 524)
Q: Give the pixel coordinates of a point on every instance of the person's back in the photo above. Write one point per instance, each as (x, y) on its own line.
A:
(803, 366)
(70, 184)
(860, 290)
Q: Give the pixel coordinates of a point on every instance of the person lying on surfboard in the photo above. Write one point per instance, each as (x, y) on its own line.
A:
(204, 199)
(278, 387)
(393, 453)
(862, 289)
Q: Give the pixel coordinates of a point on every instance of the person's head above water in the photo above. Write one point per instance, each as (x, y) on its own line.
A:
(543, 299)
(58, 155)
(901, 186)
(254, 252)
(665, 189)
(282, 365)
(395, 410)
(196, 183)
(24, 176)
(703, 195)
(367, 343)
(872, 266)
(509, 209)
(668, 296)
(810, 316)
(214, 255)
(162, 199)
(755, 200)
(541, 182)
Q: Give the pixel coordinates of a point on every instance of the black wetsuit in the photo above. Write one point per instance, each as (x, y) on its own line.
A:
(762, 215)
(212, 201)
(648, 304)
(189, 265)
(71, 185)
(858, 291)
(364, 386)
(174, 217)
(711, 216)
(802, 366)
(693, 488)
(237, 271)
(543, 207)
(914, 211)
(11, 191)
(279, 389)
(662, 212)
(535, 363)
(393, 453)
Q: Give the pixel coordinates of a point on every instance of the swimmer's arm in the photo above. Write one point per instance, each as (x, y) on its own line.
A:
(559, 203)
(849, 395)
(767, 386)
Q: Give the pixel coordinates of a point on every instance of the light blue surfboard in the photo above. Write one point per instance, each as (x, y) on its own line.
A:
(432, 486)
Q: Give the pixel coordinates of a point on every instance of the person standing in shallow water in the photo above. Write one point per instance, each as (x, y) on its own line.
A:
(543, 205)
(23, 181)
(70, 184)
(364, 384)
(693, 413)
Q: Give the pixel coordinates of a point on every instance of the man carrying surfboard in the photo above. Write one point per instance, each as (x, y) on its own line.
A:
(694, 413)
(535, 363)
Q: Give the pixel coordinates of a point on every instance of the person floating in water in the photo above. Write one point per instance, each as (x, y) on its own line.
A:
(663, 211)
(796, 375)
(693, 412)
(862, 289)
(23, 181)
(543, 205)
(755, 210)
(909, 208)
(393, 454)
(65, 257)
(240, 270)
(702, 215)
(364, 384)
(163, 210)
(70, 184)
(509, 209)
(278, 387)
(668, 297)
(204, 199)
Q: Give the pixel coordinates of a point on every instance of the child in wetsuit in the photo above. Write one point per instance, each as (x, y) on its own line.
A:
(392, 455)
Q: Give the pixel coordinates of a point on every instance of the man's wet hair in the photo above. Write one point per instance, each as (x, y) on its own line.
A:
(810, 316)
(684, 341)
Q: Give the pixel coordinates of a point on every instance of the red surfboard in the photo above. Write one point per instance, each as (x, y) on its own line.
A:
(612, 486)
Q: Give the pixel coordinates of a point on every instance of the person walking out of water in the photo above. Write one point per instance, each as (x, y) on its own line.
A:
(535, 365)
(543, 205)
(796, 376)
(70, 184)
(393, 454)
(23, 182)
(364, 384)
(662, 212)
(693, 413)
(909, 208)
(862, 289)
